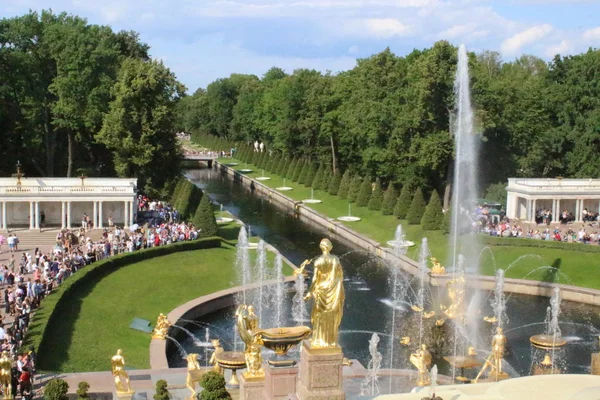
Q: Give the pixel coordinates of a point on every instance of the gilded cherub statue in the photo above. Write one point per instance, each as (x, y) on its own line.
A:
(494, 361)
(162, 327)
(194, 373)
(121, 377)
(247, 324)
(421, 359)
(437, 267)
(213, 359)
(6, 375)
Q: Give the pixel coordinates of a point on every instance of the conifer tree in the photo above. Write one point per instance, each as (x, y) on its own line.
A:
(204, 218)
(304, 173)
(447, 222)
(317, 182)
(403, 203)
(417, 208)
(282, 166)
(364, 194)
(376, 200)
(354, 188)
(334, 183)
(344, 187)
(310, 174)
(298, 170)
(433, 217)
(389, 200)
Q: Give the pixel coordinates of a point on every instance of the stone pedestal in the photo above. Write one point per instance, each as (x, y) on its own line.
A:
(280, 382)
(320, 376)
(251, 389)
(124, 395)
(595, 363)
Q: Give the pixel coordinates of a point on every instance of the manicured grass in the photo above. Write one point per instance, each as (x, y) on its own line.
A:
(576, 267)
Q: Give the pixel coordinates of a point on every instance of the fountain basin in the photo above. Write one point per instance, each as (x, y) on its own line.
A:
(283, 188)
(262, 178)
(224, 220)
(245, 170)
(544, 341)
(231, 164)
(281, 340)
(349, 218)
(312, 201)
(405, 243)
(232, 360)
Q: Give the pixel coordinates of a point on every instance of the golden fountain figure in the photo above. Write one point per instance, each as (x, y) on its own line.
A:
(194, 373)
(162, 327)
(216, 343)
(456, 294)
(6, 375)
(437, 267)
(421, 359)
(121, 377)
(327, 291)
(247, 324)
(494, 361)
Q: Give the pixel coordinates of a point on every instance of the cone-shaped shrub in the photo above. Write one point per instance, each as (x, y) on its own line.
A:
(310, 174)
(334, 183)
(298, 170)
(288, 169)
(317, 182)
(183, 197)
(364, 194)
(180, 184)
(204, 218)
(354, 189)
(447, 222)
(389, 200)
(344, 185)
(417, 208)
(433, 217)
(192, 202)
(304, 173)
(403, 203)
(376, 197)
(282, 165)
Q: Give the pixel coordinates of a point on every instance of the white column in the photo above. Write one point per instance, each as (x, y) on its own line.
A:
(95, 220)
(534, 210)
(100, 214)
(31, 215)
(131, 213)
(577, 210)
(4, 222)
(62, 215)
(37, 215)
(558, 210)
(68, 214)
(125, 209)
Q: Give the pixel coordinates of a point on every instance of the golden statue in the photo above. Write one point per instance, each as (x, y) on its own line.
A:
(421, 359)
(213, 359)
(494, 361)
(405, 340)
(456, 294)
(247, 325)
(327, 291)
(194, 373)
(437, 267)
(162, 327)
(6, 375)
(121, 377)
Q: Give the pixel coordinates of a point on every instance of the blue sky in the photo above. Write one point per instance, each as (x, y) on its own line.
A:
(202, 40)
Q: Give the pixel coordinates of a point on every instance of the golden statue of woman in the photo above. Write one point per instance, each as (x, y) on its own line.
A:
(6, 375)
(421, 359)
(118, 370)
(327, 291)
(247, 324)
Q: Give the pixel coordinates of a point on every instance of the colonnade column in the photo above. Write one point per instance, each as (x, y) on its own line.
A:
(100, 214)
(534, 210)
(125, 209)
(4, 222)
(131, 205)
(68, 214)
(63, 217)
(37, 215)
(95, 220)
(31, 215)
(577, 210)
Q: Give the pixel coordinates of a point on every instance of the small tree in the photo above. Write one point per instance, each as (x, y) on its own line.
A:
(288, 170)
(334, 183)
(364, 194)
(82, 391)
(389, 200)
(403, 203)
(56, 389)
(433, 217)
(162, 393)
(180, 184)
(303, 173)
(281, 168)
(204, 218)
(310, 175)
(354, 188)
(344, 185)
(317, 182)
(213, 385)
(417, 208)
(447, 222)
(376, 197)
(298, 170)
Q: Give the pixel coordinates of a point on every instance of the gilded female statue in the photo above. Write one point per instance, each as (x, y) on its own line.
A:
(247, 324)
(327, 291)
(421, 359)
(5, 375)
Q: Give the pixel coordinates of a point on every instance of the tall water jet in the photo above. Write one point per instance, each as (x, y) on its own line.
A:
(261, 277)
(299, 305)
(423, 269)
(242, 263)
(499, 303)
(279, 292)
(370, 385)
(399, 247)
(552, 341)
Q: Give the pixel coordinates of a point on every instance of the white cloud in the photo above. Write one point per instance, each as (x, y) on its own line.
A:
(515, 43)
(592, 34)
(385, 28)
(457, 31)
(562, 48)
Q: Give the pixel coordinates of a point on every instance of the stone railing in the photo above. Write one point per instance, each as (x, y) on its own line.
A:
(26, 190)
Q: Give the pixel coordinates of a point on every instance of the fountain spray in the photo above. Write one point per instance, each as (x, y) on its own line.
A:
(261, 272)
(423, 269)
(299, 306)
(499, 303)
(370, 385)
(399, 247)
(242, 263)
(278, 298)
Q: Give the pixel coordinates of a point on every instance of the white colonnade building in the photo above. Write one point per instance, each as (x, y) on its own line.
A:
(525, 196)
(64, 201)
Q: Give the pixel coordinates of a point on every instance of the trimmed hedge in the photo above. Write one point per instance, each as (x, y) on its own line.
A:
(59, 301)
(538, 243)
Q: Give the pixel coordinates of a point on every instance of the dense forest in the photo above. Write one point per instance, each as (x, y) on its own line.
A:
(79, 99)
(391, 117)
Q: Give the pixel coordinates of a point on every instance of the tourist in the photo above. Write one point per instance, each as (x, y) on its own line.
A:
(84, 220)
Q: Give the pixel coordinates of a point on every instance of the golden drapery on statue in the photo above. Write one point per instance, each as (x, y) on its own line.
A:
(247, 325)
(327, 292)
(6, 363)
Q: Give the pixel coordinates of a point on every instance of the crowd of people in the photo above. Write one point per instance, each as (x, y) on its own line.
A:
(28, 278)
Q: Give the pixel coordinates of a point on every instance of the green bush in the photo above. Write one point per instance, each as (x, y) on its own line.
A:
(304, 173)
(192, 203)
(204, 218)
(417, 208)
(344, 185)
(534, 243)
(376, 200)
(433, 217)
(281, 168)
(162, 393)
(213, 385)
(364, 194)
(180, 184)
(56, 389)
(446, 222)
(317, 182)
(288, 169)
(403, 203)
(310, 174)
(183, 196)
(389, 200)
(354, 188)
(60, 301)
(298, 171)
(82, 391)
(334, 183)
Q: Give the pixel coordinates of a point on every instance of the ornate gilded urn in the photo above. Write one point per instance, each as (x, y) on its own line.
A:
(281, 340)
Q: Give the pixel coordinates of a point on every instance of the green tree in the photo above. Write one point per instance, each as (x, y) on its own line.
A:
(82, 391)
(138, 129)
(304, 172)
(310, 175)
(213, 385)
(496, 192)
(354, 188)
(335, 183)
(403, 203)
(446, 222)
(298, 170)
(417, 208)
(376, 200)
(364, 193)
(345, 184)
(389, 200)
(204, 218)
(433, 217)
(178, 187)
(56, 389)
(317, 182)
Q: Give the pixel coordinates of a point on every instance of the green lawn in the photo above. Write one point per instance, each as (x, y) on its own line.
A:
(575, 267)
